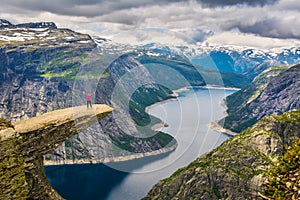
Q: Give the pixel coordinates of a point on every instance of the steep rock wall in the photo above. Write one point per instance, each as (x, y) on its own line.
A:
(270, 93)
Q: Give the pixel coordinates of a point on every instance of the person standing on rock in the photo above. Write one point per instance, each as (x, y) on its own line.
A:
(88, 99)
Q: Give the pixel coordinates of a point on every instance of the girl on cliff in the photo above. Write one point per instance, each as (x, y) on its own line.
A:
(88, 99)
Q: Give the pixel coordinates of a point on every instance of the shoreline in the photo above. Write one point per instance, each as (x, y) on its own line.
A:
(159, 125)
(174, 96)
(160, 103)
(215, 126)
(112, 159)
(218, 87)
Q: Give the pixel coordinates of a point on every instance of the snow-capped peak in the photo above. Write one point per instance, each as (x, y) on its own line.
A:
(4, 22)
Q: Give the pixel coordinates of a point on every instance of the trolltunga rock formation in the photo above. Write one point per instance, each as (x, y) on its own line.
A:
(23, 144)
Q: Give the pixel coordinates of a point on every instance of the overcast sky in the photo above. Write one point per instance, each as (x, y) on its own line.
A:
(257, 23)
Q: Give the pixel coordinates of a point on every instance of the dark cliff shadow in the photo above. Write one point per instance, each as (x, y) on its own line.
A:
(87, 181)
(93, 181)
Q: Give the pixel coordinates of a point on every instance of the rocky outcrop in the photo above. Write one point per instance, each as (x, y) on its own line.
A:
(24, 143)
(286, 169)
(271, 92)
(234, 170)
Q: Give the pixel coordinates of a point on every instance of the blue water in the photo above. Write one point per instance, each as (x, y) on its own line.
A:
(188, 120)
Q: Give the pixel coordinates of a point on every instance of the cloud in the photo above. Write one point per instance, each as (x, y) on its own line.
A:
(192, 21)
(216, 3)
(250, 40)
(273, 27)
(275, 21)
(94, 8)
(193, 35)
(86, 8)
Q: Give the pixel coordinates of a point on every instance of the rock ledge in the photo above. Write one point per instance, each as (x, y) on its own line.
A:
(22, 148)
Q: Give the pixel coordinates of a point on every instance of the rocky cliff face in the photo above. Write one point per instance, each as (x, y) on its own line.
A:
(235, 170)
(276, 90)
(33, 58)
(24, 143)
(44, 68)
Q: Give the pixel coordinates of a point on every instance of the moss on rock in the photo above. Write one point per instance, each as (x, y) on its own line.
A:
(4, 124)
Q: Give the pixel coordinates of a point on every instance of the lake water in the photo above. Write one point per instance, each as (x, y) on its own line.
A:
(188, 120)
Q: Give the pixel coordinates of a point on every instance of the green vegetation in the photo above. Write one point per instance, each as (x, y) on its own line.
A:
(127, 142)
(12, 173)
(225, 79)
(68, 143)
(52, 55)
(284, 176)
(292, 118)
(144, 97)
(231, 157)
(245, 96)
(67, 65)
(63, 65)
(140, 99)
(5, 124)
(190, 75)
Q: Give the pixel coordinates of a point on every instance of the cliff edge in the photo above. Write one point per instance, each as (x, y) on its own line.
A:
(23, 144)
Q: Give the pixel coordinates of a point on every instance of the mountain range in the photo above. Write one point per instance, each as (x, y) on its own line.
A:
(44, 68)
(230, 58)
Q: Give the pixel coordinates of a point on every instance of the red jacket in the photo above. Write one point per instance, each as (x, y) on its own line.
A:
(88, 96)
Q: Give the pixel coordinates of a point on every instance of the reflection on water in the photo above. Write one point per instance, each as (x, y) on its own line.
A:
(92, 181)
(188, 120)
(83, 181)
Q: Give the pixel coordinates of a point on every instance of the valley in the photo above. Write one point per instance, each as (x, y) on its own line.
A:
(45, 68)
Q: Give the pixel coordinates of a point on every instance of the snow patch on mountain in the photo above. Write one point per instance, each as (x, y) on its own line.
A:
(226, 58)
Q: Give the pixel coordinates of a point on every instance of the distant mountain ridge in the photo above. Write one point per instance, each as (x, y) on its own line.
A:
(228, 58)
(6, 24)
